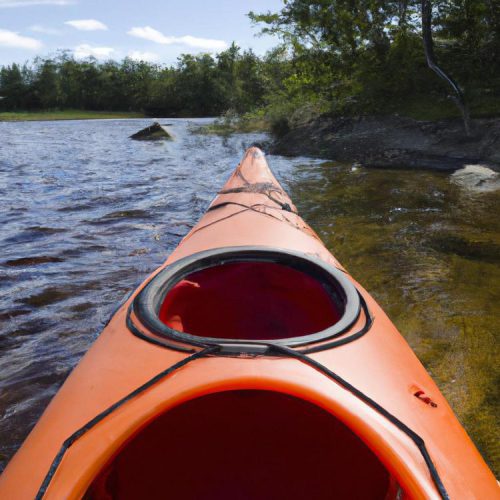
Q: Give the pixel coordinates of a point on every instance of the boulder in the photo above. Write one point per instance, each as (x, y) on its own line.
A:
(152, 133)
(477, 178)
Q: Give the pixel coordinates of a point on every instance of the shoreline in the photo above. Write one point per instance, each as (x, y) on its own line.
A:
(385, 141)
(67, 115)
(395, 142)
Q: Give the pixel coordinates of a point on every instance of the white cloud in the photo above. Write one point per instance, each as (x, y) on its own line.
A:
(85, 50)
(156, 36)
(150, 34)
(38, 28)
(137, 55)
(12, 39)
(27, 3)
(202, 43)
(87, 24)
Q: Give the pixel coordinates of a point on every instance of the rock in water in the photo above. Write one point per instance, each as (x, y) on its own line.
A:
(477, 178)
(152, 133)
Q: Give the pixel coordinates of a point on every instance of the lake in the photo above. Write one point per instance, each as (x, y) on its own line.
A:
(87, 214)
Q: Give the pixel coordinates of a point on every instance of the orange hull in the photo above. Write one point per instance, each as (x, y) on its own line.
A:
(361, 374)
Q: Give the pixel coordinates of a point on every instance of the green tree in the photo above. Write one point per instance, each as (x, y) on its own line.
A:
(197, 86)
(227, 76)
(250, 76)
(46, 83)
(12, 87)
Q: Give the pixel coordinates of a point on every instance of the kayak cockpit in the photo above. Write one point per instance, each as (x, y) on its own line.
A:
(248, 294)
(244, 444)
(249, 300)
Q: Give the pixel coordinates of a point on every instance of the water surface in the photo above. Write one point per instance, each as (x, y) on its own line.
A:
(87, 214)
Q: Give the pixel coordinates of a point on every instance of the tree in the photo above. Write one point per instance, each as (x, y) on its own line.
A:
(340, 48)
(46, 84)
(251, 82)
(12, 87)
(198, 87)
(228, 77)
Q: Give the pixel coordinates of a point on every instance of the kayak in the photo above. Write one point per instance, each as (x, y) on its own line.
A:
(249, 365)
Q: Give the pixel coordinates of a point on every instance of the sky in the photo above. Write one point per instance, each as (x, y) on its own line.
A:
(151, 30)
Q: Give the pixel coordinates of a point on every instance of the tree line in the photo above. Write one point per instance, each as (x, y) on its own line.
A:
(334, 56)
(198, 85)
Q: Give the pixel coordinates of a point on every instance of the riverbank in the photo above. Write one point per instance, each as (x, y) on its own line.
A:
(395, 142)
(71, 114)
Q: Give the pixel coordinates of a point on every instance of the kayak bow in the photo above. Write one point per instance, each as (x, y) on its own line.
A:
(249, 365)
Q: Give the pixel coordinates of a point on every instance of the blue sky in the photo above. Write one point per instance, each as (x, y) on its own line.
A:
(156, 31)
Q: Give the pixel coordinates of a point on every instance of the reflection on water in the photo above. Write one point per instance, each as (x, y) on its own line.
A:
(87, 214)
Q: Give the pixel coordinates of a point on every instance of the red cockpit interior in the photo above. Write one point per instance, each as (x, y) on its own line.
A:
(249, 300)
(245, 444)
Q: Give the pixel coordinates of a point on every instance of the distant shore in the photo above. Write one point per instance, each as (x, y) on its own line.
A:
(70, 114)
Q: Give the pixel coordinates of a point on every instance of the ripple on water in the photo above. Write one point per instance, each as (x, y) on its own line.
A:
(49, 295)
(122, 214)
(31, 234)
(32, 261)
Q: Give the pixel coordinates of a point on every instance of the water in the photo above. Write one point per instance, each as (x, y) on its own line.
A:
(87, 214)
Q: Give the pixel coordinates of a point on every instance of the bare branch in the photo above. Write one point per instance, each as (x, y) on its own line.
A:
(432, 63)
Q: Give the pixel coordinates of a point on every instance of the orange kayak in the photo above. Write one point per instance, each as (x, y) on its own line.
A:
(249, 365)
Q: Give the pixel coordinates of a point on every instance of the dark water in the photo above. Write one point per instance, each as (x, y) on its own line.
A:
(87, 214)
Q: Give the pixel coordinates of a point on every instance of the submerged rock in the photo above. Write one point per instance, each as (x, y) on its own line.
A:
(467, 246)
(152, 133)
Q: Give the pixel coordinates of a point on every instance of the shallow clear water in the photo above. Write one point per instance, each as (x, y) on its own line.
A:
(87, 214)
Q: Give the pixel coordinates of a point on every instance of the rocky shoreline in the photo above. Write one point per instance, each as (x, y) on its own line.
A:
(396, 142)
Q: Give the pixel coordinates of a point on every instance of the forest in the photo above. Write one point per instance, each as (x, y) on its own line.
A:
(338, 57)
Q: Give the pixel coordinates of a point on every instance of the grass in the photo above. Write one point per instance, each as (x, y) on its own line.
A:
(232, 123)
(69, 114)
(285, 116)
